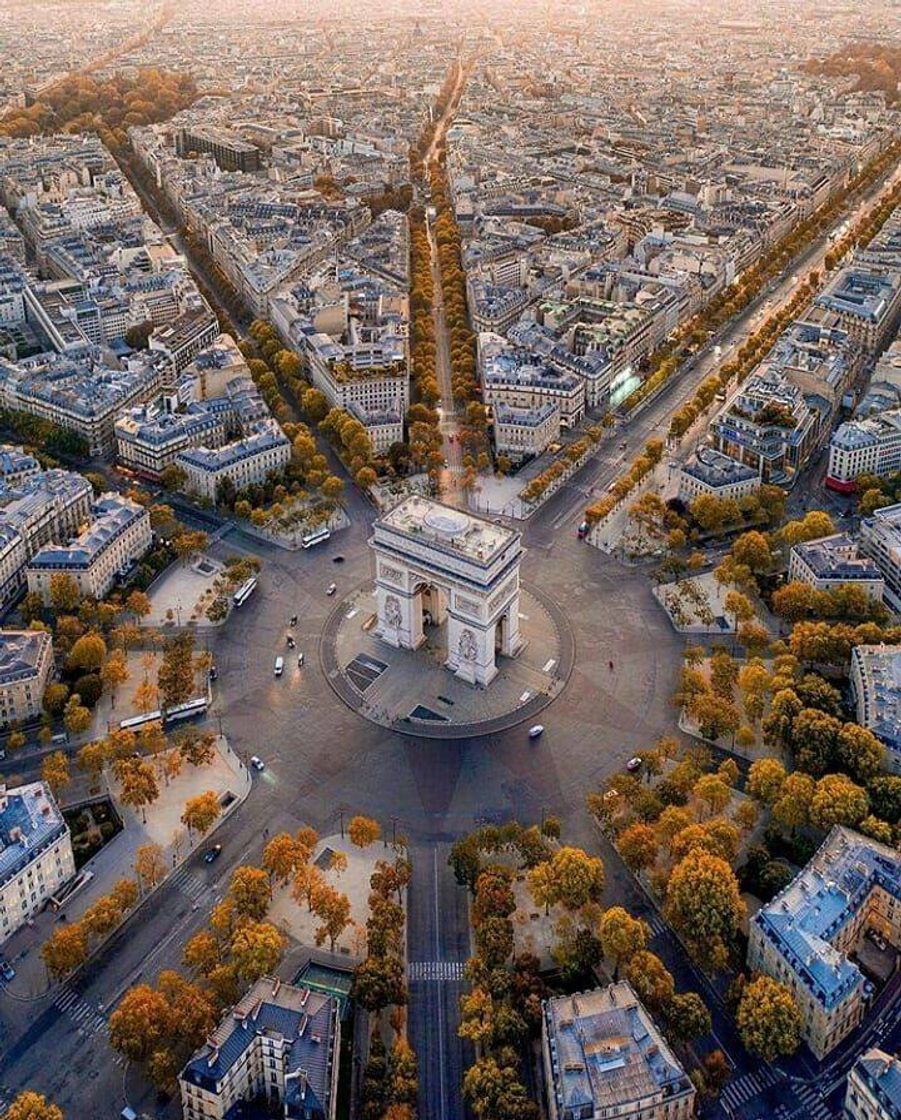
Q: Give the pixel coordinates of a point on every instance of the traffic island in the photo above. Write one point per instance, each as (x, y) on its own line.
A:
(414, 693)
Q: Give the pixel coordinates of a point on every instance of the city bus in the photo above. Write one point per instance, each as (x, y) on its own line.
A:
(317, 536)
(187, 710)
(244, 592)
(135, 723)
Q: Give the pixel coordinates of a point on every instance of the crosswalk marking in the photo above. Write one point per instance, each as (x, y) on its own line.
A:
(189, 883)
(814, 1105)
(435, 970)
(86, 1018)
(656, 923)
(748, 1086)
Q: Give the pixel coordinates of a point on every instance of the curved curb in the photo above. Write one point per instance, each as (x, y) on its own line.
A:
(404, 726)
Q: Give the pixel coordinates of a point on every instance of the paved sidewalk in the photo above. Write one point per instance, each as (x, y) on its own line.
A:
(226, 774)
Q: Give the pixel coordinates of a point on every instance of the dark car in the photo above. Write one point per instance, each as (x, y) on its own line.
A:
(337, 559)
(212, 854)
(7, 971)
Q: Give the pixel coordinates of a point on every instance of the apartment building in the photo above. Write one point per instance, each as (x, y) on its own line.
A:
(119, 535)
(181, 340)
(81, 395)
(375, 381)
(522, 433)
(149, 439)
(43, 506)
(831, 562)
(880, 539)
(804, 936)
(876, 689)
(712, 473)
(230, 151)
(16, 465)
(604, 1056)
(770, 425)
(384, 427)
(280, 1043)
(26, 662)
(874, 1087)
(35, 853)
(867, 303)
(245, 461)
(869, 446)
(816, 359)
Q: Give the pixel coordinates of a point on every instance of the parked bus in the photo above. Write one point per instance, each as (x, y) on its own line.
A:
(244, 592)
(137, 722)
(316, 537)
(187, 710)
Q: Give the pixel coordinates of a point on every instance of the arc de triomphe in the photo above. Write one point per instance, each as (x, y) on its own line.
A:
(437, 565)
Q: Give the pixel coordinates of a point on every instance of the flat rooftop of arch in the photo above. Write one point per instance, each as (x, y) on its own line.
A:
(422, 519)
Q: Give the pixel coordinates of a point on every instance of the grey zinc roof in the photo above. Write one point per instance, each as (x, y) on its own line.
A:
(29, 821)
(305, 1018)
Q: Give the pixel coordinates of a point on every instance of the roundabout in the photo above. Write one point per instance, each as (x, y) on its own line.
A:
(411, 691)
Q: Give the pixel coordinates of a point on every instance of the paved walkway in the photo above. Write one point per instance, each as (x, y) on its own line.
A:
(226, 774)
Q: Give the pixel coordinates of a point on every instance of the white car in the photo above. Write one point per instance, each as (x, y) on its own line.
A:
(331, 589)
(537, 731)
(633, 764)
(257, 763)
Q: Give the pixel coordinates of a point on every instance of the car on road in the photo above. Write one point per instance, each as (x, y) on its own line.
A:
(582, 531)
(633, 764)
(257, 763)
(214, 673)
(292, 621)
(290, 642)
(300, 661)
(212, 854)
(537, 731)
(337, 559)
(279, 666)
(331, 589)
(7, 971)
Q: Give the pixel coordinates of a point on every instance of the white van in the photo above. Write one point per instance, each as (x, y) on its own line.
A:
(279, 666)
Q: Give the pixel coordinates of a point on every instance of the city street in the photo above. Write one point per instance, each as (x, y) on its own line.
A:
(323, 760)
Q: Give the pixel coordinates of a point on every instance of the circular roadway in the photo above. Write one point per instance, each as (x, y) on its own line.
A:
(405, 681)
(323, 759)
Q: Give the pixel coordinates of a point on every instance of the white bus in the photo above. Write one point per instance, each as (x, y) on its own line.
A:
(244, 592)
(137, 722)
(187, 710)
(316, 537)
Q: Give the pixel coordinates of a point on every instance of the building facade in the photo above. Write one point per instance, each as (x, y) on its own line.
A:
(279, 1043)
(244, 462)
(876, 688)
(521, 433)
(880, 539)
(874, 1087)
(119, 535)
(869, 446)
(831, 562)
(713, 473)
(26, 662)
(804, 937)
(35, 853)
